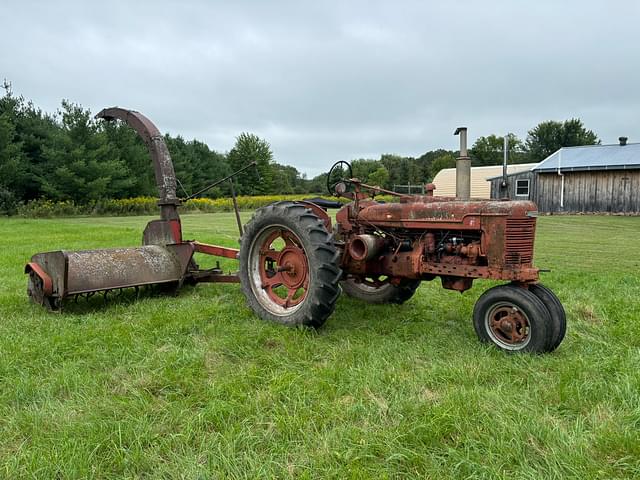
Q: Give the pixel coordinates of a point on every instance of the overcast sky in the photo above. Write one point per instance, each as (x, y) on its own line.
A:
(333, 80)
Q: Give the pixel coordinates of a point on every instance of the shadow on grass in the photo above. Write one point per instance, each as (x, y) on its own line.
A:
(103, 301)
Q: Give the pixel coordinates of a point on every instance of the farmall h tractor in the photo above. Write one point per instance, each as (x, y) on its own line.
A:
(294, 264)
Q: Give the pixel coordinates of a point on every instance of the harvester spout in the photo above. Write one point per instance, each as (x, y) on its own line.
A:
(162, 164)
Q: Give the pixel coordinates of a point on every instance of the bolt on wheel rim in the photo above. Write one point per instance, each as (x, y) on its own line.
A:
(508, 326)
(279, 270)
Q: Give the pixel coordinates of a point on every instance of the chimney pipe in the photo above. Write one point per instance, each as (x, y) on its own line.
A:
(623, 141)
(463, 167)
(505, 158)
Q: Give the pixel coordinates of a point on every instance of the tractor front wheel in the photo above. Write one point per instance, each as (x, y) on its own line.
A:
(513, 319)
(289, 266)
(556, 310)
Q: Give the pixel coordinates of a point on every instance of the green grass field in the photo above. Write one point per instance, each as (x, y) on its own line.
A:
(195, 386)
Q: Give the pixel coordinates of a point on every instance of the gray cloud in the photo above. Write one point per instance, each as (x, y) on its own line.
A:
(326, 81)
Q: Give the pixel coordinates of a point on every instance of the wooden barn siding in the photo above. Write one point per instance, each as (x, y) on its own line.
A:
(496, 192)
(584, 192)
(595, 191)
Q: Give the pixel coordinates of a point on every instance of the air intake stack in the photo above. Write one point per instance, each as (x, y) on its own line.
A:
(463, 167)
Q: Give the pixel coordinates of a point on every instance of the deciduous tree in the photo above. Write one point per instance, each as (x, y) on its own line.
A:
(489, 150)
(547, 137)
(249, 148)
(379, 178)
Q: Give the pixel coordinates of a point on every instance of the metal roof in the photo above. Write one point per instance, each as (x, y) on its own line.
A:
(593, 157)
(526, 167)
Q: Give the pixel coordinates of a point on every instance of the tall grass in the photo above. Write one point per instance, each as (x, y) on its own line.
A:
(146, 206)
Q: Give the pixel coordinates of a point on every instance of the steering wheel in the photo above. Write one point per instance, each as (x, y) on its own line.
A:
(331, 185)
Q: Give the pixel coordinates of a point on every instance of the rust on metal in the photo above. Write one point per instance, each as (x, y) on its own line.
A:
(85, 271)
(47, 283)
(164, 258)
(424, 237)
(216, 250)
(284, 273)
(509, 324)
(205, 276)
(163, 166)
(320, 212)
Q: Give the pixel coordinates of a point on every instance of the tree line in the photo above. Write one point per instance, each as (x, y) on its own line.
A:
(68, 155)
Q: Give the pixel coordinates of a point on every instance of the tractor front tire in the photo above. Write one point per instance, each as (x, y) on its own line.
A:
(289, 266)
(385, 293)
(513, 319)
(556, 310)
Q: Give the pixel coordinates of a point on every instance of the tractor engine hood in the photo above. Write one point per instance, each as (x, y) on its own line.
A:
(453, 213)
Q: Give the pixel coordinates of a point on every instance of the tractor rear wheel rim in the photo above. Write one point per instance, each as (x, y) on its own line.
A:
(508, 326)
(279, 270)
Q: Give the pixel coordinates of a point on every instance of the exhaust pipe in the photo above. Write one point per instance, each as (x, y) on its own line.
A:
(463, 167)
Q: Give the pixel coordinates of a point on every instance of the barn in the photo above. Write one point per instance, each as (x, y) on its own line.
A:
(585, 179)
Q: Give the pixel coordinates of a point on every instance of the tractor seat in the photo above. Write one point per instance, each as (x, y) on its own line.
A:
(324, 203)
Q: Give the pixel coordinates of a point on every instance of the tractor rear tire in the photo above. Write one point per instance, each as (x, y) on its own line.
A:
(386, 293)
(289, 266)
(558, 315)
(513, 319)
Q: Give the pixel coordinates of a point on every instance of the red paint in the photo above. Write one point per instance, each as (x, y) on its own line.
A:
(216, 250)
(46, 279)
(424, 237)
(176, 230)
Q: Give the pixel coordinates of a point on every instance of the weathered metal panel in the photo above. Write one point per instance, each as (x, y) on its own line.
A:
(55, 265)
(593, 158)
(162, 232)
(95, 270)
(450, 214)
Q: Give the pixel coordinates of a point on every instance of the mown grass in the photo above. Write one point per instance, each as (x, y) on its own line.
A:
(195, 386)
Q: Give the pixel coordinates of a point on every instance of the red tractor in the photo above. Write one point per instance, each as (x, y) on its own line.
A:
(294, 264)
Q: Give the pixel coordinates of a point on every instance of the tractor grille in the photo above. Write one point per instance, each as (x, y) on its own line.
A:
(519, 240)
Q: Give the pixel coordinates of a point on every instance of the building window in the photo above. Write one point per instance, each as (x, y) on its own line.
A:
(522, 188)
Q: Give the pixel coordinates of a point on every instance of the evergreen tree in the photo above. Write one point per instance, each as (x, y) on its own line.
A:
(82, 165)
